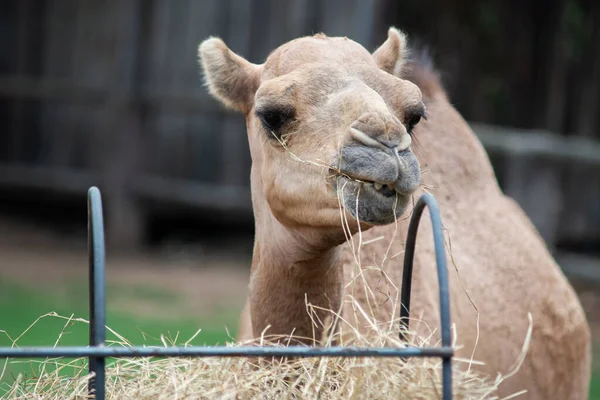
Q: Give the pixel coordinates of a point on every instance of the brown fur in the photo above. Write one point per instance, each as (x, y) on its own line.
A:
(500, 269)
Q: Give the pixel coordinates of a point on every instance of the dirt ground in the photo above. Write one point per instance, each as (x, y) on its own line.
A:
(589, 296)
(205, 280)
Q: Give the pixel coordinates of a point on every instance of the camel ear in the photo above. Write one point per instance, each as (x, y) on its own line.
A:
(392, 54)
(231, 79)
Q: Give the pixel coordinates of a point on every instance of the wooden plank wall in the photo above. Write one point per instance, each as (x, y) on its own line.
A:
(109, 93)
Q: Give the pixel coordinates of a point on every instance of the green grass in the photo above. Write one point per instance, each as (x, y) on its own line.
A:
(21, 305)
(595, 385)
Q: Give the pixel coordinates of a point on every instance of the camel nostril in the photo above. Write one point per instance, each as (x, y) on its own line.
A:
(402, 153)
(404, 144)
(365, 139)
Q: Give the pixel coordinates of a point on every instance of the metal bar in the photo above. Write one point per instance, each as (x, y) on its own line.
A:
(66, 90)
(207, 351)
(579, 266)
(440, 258)
(60, 179)
(97, 352)
(96, 250)
(148, 187)
(537, 143)
(195, 194)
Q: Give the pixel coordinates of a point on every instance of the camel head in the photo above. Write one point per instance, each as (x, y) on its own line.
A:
(329, 126)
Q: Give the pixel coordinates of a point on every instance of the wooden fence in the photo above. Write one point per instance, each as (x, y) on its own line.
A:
(556, 179)
(109, 94)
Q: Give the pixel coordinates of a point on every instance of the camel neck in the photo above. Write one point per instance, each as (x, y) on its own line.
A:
(287, 275)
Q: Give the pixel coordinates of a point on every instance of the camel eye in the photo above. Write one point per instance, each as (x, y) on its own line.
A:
(412, 121)
(413, 117)
(272, 120)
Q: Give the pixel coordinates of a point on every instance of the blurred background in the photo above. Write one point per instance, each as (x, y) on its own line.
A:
(108, 93)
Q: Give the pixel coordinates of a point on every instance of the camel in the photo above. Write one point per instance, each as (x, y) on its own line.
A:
(342, 141)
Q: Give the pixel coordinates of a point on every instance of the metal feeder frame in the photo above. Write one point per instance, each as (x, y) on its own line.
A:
(97, 352)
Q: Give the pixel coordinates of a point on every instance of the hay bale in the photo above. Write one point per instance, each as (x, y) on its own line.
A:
(243, 378)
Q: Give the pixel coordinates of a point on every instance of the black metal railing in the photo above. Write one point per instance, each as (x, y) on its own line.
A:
(97, 352)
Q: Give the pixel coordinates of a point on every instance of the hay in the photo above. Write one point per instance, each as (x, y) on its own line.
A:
(243, 378)
(300, 378)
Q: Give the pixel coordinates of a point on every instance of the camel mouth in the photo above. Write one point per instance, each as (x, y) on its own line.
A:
(384, 188)
(375, 185)
(371, 202)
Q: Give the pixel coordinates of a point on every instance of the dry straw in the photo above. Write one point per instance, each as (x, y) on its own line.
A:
(300, 378)
(243, 378)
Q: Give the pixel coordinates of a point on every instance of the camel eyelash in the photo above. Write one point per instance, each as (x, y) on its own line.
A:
(417, 110)
(273, 119)
(413, 117)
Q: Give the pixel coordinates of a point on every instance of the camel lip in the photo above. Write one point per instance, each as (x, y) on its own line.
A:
(367, 190)
(368, 205)
(386, 189)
